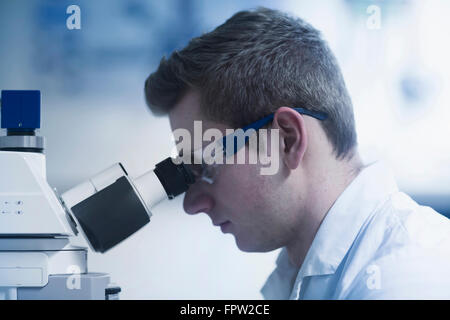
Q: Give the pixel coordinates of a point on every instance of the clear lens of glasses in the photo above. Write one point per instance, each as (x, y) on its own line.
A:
(202, 169)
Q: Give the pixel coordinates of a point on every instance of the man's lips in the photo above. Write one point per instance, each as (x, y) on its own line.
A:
(219, 224)
(223, 225)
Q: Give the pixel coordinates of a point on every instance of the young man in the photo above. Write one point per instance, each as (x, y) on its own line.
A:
(345, 229)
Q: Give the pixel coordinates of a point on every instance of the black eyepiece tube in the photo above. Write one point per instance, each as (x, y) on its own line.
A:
(175, 178)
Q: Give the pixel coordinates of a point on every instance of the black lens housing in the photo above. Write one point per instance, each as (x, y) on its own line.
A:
(175, 178)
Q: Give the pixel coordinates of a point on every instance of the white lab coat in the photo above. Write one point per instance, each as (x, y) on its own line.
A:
(374, 243)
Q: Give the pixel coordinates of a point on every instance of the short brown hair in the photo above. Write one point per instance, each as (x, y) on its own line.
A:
(254, 63)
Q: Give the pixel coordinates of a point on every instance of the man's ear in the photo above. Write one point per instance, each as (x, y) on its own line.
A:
(293, 139)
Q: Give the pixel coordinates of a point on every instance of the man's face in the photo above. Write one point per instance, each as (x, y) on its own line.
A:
(259, 210)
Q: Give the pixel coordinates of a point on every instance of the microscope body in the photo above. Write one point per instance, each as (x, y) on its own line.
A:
(37, 260)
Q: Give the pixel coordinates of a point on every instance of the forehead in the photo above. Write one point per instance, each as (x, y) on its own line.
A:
(187, 110)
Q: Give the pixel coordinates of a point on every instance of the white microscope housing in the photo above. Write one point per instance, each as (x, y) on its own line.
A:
(37, 260)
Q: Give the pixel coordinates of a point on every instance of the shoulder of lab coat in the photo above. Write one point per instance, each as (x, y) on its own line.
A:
(412, 255)
(374, 243)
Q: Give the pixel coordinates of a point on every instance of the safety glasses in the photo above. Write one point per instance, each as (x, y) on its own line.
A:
(230, 144)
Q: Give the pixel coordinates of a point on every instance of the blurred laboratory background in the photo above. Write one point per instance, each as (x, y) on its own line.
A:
(394, 56)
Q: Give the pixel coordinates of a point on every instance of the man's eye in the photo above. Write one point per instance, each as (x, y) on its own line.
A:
(209, 172)
(196, 169)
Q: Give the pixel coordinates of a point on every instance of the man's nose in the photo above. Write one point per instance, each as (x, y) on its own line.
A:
(195, 203)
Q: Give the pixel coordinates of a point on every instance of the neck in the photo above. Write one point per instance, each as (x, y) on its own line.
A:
(324, 185)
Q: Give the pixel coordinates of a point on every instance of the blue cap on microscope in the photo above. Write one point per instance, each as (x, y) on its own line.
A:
(21, 109)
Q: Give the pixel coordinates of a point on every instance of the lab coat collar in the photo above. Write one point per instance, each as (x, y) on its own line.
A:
(343, 221)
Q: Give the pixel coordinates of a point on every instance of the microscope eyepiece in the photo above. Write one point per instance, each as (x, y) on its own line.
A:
(111, 206)
(175, 178)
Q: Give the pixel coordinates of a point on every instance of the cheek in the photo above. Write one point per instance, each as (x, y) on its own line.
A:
(244, 188)
(259, 201)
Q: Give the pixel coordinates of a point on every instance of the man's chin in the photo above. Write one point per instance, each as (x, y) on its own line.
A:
(248, 246)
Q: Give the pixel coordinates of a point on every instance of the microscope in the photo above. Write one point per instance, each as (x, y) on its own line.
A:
(37, 260)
